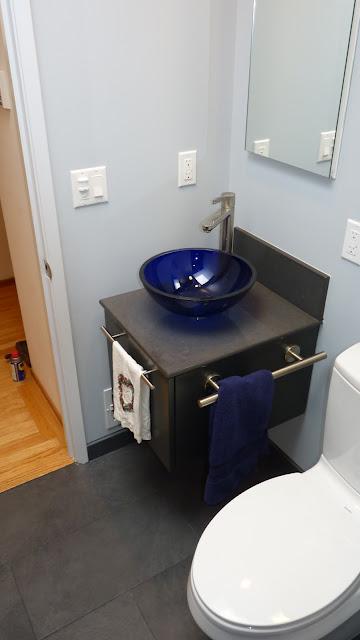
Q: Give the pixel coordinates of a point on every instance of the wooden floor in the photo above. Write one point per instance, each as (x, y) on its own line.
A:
(31, 435)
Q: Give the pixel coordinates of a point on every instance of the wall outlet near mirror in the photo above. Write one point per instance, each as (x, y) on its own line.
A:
(262, 147)
(326, 148)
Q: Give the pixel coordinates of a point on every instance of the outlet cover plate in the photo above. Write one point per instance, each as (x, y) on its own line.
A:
(187, 168)
(326, 147)
(351, 248)
(110, 423)
(262, 147)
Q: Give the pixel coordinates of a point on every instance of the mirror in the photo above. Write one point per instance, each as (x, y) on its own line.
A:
(301, 61)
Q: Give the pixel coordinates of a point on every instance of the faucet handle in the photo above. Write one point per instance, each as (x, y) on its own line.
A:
(227, 196)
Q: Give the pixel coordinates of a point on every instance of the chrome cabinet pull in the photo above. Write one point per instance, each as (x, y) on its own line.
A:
(113, 339)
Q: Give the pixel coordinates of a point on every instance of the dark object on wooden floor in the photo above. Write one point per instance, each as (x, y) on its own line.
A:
(22, 348)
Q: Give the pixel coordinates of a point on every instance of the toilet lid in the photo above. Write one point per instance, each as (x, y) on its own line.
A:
(280, 552)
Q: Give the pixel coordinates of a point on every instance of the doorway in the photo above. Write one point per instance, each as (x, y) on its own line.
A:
(32, 440)
(19, 59)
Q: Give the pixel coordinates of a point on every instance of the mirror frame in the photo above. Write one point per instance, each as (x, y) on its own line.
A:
(346, 89)
(344, 99)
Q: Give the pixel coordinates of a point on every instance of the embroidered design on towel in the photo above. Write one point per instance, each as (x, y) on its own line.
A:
(126, 393)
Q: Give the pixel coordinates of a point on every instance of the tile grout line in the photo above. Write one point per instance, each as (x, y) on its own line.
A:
(145, 621)
(23, 604)
(63, 537)
(57, 537)
(109, 509)
(148, 580)
(121, 594)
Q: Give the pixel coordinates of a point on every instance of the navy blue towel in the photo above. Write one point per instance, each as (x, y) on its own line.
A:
(238, 432)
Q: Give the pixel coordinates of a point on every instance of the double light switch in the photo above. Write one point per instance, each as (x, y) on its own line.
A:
(89, 186)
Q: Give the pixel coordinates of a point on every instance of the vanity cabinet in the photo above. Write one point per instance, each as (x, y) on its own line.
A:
(284, 308)
(179, 426)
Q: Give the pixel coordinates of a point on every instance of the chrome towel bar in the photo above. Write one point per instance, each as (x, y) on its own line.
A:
(119, 335)
(291, 353)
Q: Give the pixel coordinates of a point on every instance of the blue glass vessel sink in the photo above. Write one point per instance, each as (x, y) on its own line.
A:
(197, 282)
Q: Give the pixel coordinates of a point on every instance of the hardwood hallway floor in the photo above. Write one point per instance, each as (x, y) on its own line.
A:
(31, 435)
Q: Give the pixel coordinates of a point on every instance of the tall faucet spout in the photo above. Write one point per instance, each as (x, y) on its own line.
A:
(225, 218)
(213, 220)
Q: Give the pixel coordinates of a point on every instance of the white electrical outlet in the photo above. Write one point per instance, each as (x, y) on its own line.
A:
(351, 248)
(110, 423)
(262, 147)
(186, 168)
(326, 148)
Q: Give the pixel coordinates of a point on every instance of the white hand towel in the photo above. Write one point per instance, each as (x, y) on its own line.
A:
(131, 394)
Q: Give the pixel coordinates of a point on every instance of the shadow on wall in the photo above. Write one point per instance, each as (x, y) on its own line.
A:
(6, 270)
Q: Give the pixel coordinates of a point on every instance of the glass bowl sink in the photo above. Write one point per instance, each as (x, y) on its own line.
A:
(197, 282)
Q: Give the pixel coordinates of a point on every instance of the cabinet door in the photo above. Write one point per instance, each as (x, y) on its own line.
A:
(290, 396)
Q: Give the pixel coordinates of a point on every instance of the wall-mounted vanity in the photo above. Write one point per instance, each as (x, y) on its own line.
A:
(302, 56)
(284, 308)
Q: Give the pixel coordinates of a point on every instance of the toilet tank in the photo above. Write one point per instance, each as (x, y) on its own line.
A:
(342, 425)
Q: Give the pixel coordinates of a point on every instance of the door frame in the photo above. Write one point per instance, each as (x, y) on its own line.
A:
(21, 47)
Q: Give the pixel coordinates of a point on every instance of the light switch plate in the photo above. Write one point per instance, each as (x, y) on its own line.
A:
(351, 248)
(186, 168)
(262, 147)
(89, 186)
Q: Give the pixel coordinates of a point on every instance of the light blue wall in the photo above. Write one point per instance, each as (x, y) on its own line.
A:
(129, 84)
(306, 216)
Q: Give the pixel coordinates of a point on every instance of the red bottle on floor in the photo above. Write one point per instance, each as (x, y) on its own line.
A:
(17, 366)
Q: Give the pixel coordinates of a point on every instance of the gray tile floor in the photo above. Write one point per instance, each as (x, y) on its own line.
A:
(102, 551)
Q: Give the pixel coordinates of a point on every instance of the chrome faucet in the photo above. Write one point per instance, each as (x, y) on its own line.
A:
(225, 217)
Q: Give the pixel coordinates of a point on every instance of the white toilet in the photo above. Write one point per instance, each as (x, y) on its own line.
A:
(282, 560)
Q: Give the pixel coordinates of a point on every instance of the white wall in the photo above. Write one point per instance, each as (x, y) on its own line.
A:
(20, 233)
(128, 85)
(304, 215)
(6, 270)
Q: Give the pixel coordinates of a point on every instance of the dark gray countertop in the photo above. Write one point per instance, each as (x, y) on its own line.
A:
(177, 344)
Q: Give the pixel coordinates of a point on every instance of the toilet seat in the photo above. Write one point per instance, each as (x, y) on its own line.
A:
(266, 562)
